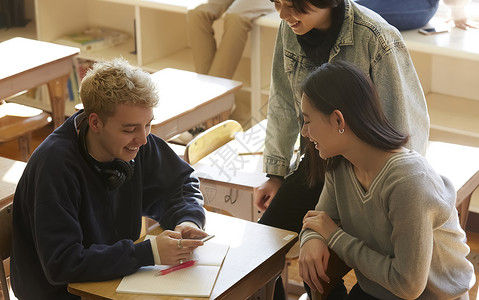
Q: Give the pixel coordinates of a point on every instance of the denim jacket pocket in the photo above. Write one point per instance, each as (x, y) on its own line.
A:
(297, 69)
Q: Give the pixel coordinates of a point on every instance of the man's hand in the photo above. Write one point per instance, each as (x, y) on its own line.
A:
(173, 249)
(264, 194)
(189, 230)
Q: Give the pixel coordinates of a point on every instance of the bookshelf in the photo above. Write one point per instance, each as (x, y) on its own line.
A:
(157, 31)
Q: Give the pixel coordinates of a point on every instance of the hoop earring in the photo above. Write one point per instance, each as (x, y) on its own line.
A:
(341, 131)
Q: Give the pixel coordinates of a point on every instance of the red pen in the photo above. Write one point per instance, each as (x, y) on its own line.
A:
(186, 264)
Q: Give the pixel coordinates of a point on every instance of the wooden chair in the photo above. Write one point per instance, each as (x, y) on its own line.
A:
(5, 244)
(337, 269)
(207, 142)
(210, 140)
(18, 122)
(199, 147)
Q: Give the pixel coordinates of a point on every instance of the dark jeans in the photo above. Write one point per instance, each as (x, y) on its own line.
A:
(292, 201)
(403, 14)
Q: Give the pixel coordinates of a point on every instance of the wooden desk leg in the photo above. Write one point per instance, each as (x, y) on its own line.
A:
(24, 145)
(218, 119)
(463, 210)
(269, 289)
(58, 93)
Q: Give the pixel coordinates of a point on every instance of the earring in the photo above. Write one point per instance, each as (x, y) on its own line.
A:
(341, 131)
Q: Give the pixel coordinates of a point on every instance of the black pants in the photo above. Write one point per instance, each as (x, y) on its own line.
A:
(292, 201)
(356, 293)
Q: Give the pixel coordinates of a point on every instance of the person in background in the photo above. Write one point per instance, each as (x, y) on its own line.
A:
(311, 33)
(383, 209)
(238, 15)
(79, 204)
(413, 14)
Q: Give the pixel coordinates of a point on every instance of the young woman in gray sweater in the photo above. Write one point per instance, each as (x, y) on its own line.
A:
(383, 209)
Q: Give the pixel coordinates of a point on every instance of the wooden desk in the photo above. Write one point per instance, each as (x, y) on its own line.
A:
(228, 179)
(11, 171)
(188, 99)
(460, 164)
(254, 260)
(230, 174)
(26, 64)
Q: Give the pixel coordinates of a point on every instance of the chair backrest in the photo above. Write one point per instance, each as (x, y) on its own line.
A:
(5, 243)
(210, 140)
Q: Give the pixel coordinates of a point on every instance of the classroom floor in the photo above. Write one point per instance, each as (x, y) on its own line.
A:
(10, 150)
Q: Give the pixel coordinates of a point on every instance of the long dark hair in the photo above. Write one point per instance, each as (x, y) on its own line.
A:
(343, 86)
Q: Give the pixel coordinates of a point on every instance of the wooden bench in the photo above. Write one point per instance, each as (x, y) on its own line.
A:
(446, 64)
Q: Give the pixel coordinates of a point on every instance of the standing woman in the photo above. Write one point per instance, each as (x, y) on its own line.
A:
(383, 208)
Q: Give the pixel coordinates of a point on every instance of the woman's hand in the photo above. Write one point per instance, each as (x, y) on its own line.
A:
(264, 194)
(320, 222)
(313, 263)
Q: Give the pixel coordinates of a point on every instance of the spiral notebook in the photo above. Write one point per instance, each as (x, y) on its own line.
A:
(196, 281)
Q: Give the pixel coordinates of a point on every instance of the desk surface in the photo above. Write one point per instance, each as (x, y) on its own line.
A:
(457, 43)
(167, 5)
(188, 99)
(34, 54)
(458, 163)
(11, 171)
(255, 257)
(27, 63)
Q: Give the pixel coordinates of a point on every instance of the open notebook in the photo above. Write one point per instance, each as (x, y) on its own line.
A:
(196, 281)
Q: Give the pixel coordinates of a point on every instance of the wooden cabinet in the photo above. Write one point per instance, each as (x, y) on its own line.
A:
(157, 30)
(157, 33)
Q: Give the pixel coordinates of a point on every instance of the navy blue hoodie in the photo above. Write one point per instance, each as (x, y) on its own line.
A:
(69, 226)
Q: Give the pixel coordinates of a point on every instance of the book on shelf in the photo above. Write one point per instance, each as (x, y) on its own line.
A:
(81, 66)
(195, 281)
(93, 39)
(73, 87)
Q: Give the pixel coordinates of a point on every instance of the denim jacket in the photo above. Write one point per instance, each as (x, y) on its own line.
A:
(366, 40)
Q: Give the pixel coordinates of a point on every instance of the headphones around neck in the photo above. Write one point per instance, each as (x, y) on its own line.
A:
(113, 173)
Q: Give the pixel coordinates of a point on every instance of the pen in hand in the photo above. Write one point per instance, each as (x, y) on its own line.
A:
(187, 264)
